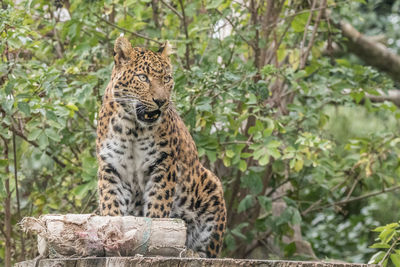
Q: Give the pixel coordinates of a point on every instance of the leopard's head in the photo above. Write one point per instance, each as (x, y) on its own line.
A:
(142, 80)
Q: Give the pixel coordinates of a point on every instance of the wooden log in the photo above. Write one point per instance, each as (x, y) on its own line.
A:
(181, 262)
(91, 235)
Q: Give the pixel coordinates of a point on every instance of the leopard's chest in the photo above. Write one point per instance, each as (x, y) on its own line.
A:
(130, 150)
(144, 155)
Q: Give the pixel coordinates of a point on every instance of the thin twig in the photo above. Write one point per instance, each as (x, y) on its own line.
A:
(314, 32)
(88, 202)
(185, 28)
(301, 12)
(172, 9)
(303, 41)
(235, 29)
(126, 30)
(389, 250)
(17, 194)
(342, 202)
(36, 145)
(311, 207)
(236, 142)
(86, 119)
(2, 230)
(7, 208)
(278, 44)
(353, 186)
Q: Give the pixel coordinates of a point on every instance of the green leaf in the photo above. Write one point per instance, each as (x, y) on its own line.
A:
(52, 134)
(381, 228)
(253, 182)
(33, 135)
(3, 163)
(377, 257)
(386, 235)
(226, 161)
(242, 165)
(51, 115)
(296, 218)
(230, 153)
(245, 155)
(72, 106)
(238, 230)
(290, 249)
(246, 203)
(24, 107)
(9, 87)
(43, 141)
(264, 160)
(395, 258)
(252, 99)
(211, 155)
(300, 21)
(380, 245)
(214, 4)
(298, 165)
(82, 190)
(265, 202)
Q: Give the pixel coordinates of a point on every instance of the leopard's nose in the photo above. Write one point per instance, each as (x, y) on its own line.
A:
(159, 102)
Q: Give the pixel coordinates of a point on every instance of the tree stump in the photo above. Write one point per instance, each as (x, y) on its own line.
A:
(90, 235)
(181, 262)
(72, 240)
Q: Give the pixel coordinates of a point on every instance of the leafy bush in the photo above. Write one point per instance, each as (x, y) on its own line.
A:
(279, 122)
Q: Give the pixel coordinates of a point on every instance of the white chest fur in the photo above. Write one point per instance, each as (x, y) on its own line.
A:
(128, 153)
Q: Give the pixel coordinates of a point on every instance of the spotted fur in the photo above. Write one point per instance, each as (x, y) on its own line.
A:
(148, 162)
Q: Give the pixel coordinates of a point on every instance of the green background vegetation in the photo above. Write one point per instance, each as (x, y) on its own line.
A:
(286, 122)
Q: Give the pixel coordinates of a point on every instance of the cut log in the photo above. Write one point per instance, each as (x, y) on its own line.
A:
(91, 235)
(181, 262)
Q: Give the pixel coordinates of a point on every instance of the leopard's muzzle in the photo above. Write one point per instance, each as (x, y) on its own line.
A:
(147, 116)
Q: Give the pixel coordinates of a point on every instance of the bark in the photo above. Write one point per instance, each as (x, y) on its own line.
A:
(391, 95)
(91, 235)
(7, 210)
(373, 53)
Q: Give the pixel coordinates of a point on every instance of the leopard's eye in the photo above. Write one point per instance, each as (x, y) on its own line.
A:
(167, 79)
(143, 77)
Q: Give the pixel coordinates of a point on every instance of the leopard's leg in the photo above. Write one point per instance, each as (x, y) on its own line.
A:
(207, 221)
(217, 235)
(114, 198)
(205, 234)
(160, 189)
(136, 203)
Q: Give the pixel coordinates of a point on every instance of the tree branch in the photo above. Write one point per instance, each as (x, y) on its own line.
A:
(234, 28)
(185, 28)
(304, 56)
(20, 134)
(176, 12)
(373, 53)
(17, 194)
(86, 119)
(126, 30)
(7, 208)
(342, 202)
(303, 41)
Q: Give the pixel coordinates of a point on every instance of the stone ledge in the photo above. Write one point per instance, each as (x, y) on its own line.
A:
(173, 262)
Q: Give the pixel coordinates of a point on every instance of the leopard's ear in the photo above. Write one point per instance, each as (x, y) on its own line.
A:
(165, 50)
(123, 50)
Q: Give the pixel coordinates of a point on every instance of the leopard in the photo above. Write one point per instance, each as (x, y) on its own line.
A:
(148, 163)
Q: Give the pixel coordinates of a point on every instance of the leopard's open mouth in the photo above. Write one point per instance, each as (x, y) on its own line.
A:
(147, 116)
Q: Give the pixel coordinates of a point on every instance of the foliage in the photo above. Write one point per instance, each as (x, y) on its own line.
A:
(282, 125)
(389, 237)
